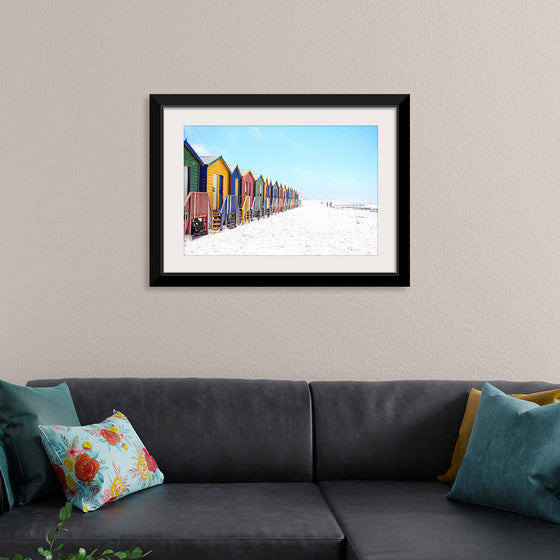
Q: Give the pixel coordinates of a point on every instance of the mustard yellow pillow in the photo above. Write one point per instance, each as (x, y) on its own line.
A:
(541, 398)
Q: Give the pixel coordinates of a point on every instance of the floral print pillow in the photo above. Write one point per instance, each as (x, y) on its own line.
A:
(99, 463)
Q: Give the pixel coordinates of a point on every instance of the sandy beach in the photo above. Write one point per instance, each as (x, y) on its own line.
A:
(346, 228)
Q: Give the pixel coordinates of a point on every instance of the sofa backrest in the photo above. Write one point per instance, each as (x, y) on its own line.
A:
(391, 430)
(208, 430)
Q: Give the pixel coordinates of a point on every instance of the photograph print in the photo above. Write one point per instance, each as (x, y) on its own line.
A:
(280, 190)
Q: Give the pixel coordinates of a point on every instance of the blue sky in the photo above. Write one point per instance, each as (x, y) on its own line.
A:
(322, 162)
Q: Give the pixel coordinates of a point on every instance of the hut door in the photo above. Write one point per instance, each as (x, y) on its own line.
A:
(215, 191)
(221, 190)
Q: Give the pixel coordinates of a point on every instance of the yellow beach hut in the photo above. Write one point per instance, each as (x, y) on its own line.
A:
(214, 179)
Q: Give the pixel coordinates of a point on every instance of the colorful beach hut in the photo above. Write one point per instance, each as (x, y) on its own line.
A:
(192, 163)
(229, 210)
(275, 189)
(235, 182)
(257, 207)
(259, 186)
(248, 187)
(214, 179)
(268, 197)
(197, 212)
(248, 184)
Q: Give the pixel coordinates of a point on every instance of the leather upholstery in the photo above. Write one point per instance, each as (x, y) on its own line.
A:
(257, 436)
(255, 521)
(404, 520)
(391, 430)
(209, 430)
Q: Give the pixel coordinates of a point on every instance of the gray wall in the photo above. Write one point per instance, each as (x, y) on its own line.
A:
(485, 178)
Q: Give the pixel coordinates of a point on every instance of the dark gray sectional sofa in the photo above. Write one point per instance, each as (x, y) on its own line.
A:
(285, 470)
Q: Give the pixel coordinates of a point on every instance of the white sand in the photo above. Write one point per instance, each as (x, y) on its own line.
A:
(313, 229)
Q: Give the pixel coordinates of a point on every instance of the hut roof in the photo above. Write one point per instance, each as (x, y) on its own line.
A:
(209, 160)
(191, 150)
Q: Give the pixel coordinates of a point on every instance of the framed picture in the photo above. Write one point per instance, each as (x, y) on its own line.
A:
(279, 190)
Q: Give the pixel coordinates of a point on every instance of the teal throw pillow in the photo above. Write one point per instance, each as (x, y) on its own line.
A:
(513, 457)
(6, 488)
(99, 463)
(21, 410)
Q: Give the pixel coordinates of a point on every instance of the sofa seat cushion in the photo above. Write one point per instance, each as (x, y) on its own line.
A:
(288, 521)
(394, 520)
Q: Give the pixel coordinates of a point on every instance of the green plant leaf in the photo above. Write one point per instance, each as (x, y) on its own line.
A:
(104, 553)
(18, 556)
(65, 512)
(58, 547)
(120, 555)
(68, 508)
(4, 558)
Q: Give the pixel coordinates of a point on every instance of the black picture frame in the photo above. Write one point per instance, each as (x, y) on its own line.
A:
(394, 278)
